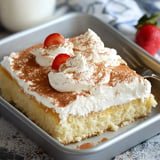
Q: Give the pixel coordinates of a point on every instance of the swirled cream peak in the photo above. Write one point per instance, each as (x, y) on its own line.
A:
(89, 41)
(92, 47)
(75, 75)
(89, 67)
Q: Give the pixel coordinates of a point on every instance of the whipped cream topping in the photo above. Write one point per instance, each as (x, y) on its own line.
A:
(88, 78)
(89, 67)
(75, 75)
(92, 47)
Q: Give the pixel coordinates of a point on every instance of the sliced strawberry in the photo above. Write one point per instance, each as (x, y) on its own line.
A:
(53, 39)
(60, 59)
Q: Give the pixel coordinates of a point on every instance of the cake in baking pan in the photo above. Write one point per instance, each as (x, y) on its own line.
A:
(74, 88)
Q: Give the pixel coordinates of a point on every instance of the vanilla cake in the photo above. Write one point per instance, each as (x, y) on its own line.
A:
(90, 89)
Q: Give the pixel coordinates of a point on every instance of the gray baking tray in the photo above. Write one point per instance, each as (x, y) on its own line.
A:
(115, 142)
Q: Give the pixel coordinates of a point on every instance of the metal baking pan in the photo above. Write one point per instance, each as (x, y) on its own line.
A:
(109, 144)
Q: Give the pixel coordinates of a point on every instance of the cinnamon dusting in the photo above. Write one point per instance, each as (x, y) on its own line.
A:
(37, 76)
(121, 73)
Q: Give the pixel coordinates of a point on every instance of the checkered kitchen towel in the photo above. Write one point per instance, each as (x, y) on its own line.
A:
(122, 15)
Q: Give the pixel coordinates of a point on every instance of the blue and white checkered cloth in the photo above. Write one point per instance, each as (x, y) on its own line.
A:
(122, 15)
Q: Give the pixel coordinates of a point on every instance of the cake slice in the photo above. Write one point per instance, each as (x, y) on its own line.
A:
(74, 88)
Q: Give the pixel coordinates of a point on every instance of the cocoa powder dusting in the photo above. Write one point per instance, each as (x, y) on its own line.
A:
(37, 76)
(100, 69)
(120, 74)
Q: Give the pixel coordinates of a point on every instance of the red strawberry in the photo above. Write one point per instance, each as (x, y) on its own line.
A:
(148, 37)
(60, 59)
(53, 39)
(148, 34)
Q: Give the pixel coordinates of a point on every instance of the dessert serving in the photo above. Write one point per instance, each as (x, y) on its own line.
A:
(74, 88)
